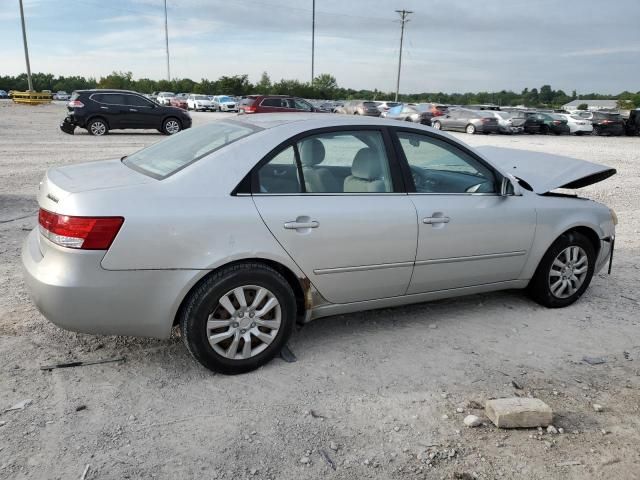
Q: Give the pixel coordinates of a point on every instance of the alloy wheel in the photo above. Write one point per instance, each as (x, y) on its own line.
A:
(172, 126)
(98, 128)
(568, 272)
(244, 323)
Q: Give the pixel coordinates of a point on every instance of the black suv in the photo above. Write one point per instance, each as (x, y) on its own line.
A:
(102, 110)
(633, 123)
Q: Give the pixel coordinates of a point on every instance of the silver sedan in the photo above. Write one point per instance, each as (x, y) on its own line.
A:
(237, 230)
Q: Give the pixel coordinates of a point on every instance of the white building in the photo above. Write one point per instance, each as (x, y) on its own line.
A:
(593, 105)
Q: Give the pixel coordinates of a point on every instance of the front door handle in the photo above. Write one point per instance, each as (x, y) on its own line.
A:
(133, 110)
(434, 220)
(296, 225)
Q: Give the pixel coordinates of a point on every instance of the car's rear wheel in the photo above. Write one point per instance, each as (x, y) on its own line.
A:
(564, 272)
(471, 129)
(239, 318)
(98, 127)
(171, 125)
(437, 125)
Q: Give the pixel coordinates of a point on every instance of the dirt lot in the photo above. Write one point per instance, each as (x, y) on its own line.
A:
(372, 395)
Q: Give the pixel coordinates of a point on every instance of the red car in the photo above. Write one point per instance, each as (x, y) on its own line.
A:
(273, 104)
(180, 102)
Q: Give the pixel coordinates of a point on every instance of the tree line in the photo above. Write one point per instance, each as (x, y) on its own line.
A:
(324, 86)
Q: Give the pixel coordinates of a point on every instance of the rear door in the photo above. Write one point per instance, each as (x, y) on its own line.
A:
(334, 200)
(111, 107)
(468, 234)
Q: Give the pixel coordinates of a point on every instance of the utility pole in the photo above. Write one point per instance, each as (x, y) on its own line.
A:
(166, 39)
(26, 49)
(313, 37)
(404, 18)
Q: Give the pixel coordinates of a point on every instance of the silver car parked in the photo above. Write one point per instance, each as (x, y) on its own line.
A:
(238, 229)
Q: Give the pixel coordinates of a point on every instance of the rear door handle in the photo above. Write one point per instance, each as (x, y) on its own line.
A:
(133, 110)
(105, 108)
(297, 225)
(434, 220)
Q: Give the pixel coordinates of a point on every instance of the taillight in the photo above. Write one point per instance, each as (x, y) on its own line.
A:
(75, 104)
(250, 109)
(86, 233)
(557, 122)
(487, 120)
(606, 122)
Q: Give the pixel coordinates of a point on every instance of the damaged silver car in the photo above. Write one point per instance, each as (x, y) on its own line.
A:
(238, 229)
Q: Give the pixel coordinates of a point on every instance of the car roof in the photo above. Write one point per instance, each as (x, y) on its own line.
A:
(105, 90)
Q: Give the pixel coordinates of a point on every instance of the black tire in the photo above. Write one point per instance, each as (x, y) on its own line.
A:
(597, 131)
(204, 300)
(170, 124)
(470, 129)
(539, 288)
(437, 125)
(97, 127)
(544, 130)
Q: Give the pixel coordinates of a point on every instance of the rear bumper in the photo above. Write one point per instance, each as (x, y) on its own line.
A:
(609, 129)
(73, 291)
(67, 125)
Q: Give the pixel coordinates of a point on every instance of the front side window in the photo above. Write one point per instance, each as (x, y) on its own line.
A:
(351, 162)
(136, 101)
(439, 167)
(178, 151)
(302, 105)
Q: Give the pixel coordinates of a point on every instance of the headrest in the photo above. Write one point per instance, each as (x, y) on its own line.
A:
(366, 165)
(311, 152)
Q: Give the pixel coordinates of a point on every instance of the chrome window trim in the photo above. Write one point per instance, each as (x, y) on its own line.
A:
(470, 258)
(476, 194)
(336, 194)
(121, 104)
(362, 268)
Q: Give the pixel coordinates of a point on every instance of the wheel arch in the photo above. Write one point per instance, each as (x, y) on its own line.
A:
(95, 116)
(299, 286)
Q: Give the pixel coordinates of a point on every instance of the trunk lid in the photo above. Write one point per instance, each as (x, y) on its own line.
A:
(60, 182)
(546, 172)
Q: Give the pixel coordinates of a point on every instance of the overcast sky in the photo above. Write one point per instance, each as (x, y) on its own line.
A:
(450, 45)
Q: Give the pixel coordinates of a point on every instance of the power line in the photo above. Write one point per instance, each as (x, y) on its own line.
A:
(404, 18)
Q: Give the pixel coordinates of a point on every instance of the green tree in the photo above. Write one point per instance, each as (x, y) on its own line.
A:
(583, 106)
(325, 85)
(236, 85)
(264, 85)
(120, 80)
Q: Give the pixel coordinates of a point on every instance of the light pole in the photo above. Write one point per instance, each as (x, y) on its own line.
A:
(313, 37)
(166, 39)
(26, 49)
(404, 18)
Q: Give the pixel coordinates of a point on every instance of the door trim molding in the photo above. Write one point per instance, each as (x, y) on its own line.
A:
(362, 268)
(471, 258)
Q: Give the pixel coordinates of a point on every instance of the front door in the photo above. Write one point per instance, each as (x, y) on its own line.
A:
(141, 113)
(468, 234)
(334, 202)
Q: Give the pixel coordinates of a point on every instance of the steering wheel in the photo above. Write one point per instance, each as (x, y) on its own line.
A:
(421, 181)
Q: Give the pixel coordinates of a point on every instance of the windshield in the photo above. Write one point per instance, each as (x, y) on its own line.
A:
(178, 151)
(504, 115)
(225, 99)
(201, 97)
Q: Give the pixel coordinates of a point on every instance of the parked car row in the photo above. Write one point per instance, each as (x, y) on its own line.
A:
(196, 101)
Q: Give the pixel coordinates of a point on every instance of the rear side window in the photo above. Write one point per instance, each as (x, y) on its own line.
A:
(136, 101)
(271, 102)
(110, 98)
(178, 151)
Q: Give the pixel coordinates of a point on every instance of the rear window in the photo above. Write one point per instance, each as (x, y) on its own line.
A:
(181, 150)
(247, 101)
(369, 104)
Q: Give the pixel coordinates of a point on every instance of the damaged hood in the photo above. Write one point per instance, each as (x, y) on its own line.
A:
(546, 172)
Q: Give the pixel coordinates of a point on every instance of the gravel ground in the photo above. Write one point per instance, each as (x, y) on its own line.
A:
(372, 395)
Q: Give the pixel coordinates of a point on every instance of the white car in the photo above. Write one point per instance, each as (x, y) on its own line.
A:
(225, 103)
(164, 98)
(578, 125)
(199, 102)
(61, 95)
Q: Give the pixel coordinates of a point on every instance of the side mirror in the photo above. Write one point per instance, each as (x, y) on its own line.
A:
(509, 187)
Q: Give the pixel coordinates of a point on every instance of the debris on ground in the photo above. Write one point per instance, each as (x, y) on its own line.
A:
(472, 421)
(328, 459)
(48, 368)
(287, 355)
(518, 412)
(20, 405)
(594, 360)
(597, 407)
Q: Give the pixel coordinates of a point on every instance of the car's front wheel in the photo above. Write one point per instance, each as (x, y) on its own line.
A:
(564, 272)
(437, 125)
(239, 318)
(98, 127)
(471, 129)
(171, 125)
